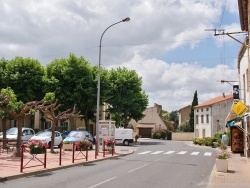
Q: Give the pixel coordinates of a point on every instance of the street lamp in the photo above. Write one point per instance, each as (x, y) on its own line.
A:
(98, 86)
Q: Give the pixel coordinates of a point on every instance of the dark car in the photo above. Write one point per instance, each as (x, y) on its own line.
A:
(65, 134)
(79, 135)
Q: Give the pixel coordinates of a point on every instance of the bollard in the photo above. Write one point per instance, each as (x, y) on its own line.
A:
(22, 146)
(73, 155)
(60, 155)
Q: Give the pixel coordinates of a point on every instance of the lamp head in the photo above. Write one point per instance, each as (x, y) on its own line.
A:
(126, 19)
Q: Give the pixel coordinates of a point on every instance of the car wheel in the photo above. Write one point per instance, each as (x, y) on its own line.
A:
(125, 142)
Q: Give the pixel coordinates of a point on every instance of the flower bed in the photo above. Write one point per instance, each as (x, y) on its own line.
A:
(109, 142)
(37, 147)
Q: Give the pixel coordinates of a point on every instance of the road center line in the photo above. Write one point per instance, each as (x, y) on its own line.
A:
(102, 182)
(138, 168)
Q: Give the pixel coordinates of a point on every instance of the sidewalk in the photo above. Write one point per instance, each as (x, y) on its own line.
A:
(10, 167)
(238, 174)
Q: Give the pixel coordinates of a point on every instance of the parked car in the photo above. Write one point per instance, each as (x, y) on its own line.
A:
(65, 134)
(79, 135)
(45, 137)
(27, 133)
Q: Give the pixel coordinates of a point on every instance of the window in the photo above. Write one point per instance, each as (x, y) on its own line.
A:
(64, 125)
(202, 121)
(207, 109)
(207, 118)
(197, 119)
(197, 110)
(202, 110)
(47, 124)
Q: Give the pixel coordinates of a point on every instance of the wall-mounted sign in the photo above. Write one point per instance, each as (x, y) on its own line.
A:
(236, 93)
(239, 108)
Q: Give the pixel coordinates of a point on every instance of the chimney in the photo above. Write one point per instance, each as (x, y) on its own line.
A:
(224, 95)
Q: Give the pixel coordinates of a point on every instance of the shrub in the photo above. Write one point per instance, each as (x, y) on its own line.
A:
(199, 141)
(160, 134)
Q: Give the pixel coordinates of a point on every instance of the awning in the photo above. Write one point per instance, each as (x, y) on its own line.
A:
(140, 125)
(231, 116)
(236, 121)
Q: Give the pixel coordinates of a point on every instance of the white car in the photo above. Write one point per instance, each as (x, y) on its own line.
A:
(45, 136)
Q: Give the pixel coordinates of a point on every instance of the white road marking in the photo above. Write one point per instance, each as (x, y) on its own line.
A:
(182, 152)
(157, 152)
(102, 182)
(137, 168)
(169, 152)
(194, 153)
(208, 154)
(145, 152)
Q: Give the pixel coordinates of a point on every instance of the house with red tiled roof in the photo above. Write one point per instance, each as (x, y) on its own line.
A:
(210, 116)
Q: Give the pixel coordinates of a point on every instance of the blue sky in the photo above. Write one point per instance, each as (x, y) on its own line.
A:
(165, 41)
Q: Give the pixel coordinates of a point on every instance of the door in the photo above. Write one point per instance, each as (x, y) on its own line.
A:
(145, 132)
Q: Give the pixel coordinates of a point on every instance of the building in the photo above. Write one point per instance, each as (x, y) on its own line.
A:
(210, 116)
(184, 114)
(151, 122)
(243, 70)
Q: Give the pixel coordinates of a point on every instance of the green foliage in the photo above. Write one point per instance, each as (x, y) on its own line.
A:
(173, 116)
(218, 137)
(50, 97)
(12, 105)
(125, 96)
(191, 116)
(208, 141)
(185, 127)
(72, 81)
(161, 134)
(3, 64)
(25, 77)
(199, 141)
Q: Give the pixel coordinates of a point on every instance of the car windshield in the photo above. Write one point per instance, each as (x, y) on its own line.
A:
(12, 131)
(78, 134)
(43, 133)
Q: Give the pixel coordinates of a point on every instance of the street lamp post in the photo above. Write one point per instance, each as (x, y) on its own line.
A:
(98, 86)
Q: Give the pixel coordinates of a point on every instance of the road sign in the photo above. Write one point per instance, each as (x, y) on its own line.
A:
(239, 108)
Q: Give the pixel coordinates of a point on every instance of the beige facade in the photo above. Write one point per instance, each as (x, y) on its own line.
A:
(184, 114)
(151, 122)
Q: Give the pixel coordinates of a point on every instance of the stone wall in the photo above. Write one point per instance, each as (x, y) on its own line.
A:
(182, 136)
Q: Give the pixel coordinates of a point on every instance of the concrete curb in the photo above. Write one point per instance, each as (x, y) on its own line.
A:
(41, 171)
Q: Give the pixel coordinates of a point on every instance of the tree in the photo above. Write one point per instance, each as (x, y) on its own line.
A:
(191, 115)
(72, 80)
(126, 97)
(174, 117)
(17, 110)
(51, 111)
(25, 77)
(5, 96)
(3, 64)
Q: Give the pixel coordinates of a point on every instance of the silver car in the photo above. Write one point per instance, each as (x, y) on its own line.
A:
(27, 133)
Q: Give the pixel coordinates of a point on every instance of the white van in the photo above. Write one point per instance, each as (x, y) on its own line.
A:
(124, 136)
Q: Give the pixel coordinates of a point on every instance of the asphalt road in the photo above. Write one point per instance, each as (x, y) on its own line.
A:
(155, 163)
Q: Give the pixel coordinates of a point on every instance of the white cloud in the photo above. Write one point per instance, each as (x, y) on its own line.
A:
(47, 30)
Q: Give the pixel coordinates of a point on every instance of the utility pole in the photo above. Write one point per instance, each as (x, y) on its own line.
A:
(222, 32)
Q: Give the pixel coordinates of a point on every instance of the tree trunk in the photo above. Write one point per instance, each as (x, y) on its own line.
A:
(19, 137)
(4, 121)
(86, 122)
(54, 124)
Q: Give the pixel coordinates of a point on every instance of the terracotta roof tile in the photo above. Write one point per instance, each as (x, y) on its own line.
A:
(215, 100)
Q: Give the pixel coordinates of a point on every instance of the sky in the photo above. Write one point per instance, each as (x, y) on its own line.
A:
(166, 42)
